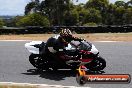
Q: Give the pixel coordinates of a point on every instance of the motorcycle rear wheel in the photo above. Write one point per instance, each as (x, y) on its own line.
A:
(37, 61)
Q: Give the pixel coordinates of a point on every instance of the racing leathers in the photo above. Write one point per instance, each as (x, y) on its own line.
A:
(56, 46)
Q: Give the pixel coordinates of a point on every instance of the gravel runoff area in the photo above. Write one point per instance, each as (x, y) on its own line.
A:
(90, 36)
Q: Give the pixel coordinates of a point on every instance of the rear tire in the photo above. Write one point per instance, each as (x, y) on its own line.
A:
(37, 61)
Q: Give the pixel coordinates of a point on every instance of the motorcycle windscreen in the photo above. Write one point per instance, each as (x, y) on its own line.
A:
(85, 46)
(94, 50)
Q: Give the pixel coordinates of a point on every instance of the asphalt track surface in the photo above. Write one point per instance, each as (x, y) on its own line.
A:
(15, 67)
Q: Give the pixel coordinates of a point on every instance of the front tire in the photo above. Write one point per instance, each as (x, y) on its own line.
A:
(97, 64)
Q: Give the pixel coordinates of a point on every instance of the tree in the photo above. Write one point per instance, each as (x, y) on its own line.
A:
(92, 16)
(32, 6)
(34, 19)
(111, 14)
(64, 12)
(98, 4)
(101, 5)
(127, 16)
(129, 4)
(14, 20)
(120, 3)
(82, 12)
(55, 10)
(119, 12)
(1, 23)
(71, 17)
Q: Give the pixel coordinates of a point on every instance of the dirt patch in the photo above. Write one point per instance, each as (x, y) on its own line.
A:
(90, 37)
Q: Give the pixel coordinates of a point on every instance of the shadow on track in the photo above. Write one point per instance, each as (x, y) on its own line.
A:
(57, 75)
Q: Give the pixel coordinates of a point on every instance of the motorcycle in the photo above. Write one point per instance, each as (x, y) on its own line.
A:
(85, 53)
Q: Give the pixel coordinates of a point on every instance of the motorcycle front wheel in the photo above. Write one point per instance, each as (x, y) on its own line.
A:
(97, 64)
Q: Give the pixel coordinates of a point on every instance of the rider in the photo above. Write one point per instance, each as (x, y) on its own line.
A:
(56, 45)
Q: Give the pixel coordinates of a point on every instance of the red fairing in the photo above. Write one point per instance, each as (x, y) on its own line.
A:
(85, 52)
(86, 60)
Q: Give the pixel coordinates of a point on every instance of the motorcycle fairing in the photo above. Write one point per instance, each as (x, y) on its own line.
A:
(36, 50)
(31, 47)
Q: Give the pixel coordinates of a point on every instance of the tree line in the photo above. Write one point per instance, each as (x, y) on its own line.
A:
(66, 13)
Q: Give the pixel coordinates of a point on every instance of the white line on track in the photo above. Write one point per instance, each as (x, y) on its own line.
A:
(38, 85)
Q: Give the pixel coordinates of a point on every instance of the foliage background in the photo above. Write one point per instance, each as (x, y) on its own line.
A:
(66, 13)
(1, 23)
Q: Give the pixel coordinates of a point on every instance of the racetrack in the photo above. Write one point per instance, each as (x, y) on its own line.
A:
(15, 67)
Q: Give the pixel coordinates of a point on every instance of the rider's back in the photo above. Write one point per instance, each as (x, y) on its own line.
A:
(54, 45)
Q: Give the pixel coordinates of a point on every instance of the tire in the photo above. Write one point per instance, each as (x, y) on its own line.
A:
(97, 64)
(36, 60)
